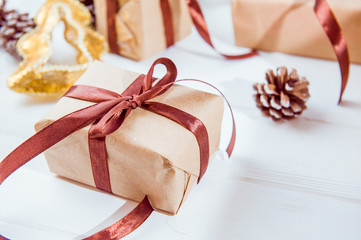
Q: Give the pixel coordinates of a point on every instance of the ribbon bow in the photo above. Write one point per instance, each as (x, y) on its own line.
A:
(134, 96)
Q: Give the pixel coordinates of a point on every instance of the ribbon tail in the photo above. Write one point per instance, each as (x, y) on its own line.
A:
(127, 224)
(48, 137)
(189, 122)
(334, 33)
(201, 26)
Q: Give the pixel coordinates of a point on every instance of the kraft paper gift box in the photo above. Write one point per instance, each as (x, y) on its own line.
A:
(140, 31)
(290, 26)
(149, 154)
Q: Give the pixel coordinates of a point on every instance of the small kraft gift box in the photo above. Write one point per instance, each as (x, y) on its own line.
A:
(129, 134)
(139, 29)
(291, 26)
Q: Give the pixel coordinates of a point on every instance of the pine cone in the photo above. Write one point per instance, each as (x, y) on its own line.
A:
(12, 26)
(90, 5)
(283, 96)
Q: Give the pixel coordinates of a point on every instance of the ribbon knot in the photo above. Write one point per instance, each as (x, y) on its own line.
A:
(134, 101)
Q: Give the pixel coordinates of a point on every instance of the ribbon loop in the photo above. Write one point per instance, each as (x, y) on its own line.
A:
(168, 78)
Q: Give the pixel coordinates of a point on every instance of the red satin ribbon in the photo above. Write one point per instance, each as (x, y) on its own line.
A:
(112, 7)
(107, 115)
(334, 33)
(127, 224)
(201, 26)
(167, 22)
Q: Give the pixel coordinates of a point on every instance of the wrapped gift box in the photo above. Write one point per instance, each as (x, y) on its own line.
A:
(290, 26)
(149, 154)
(139, 25)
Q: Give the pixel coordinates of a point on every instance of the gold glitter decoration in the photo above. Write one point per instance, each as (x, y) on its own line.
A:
(34, 75)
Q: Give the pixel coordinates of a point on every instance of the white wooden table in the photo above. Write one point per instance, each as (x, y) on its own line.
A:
(291, 180)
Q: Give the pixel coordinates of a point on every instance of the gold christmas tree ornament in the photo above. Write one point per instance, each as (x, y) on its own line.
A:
(35, 75)
(284, 95)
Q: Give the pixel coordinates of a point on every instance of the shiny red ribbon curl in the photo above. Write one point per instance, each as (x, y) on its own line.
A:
(334, 33)
(106, 116)
(201, 26)
(324, 15)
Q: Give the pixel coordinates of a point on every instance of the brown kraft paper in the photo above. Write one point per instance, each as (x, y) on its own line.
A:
(290, 26)
(149, 154)
(140, 28)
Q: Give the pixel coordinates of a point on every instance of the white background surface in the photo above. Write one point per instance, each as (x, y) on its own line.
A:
(290, 180)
